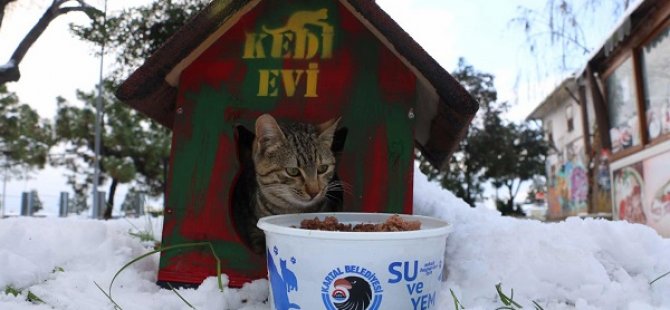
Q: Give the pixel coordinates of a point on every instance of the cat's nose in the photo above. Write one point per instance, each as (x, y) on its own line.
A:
(312, 192)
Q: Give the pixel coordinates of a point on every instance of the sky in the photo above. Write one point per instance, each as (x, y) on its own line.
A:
(478, 30)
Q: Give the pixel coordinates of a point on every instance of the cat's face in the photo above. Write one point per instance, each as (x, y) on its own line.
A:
(294, 163)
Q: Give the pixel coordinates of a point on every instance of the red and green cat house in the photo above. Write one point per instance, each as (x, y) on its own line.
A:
(298, 60)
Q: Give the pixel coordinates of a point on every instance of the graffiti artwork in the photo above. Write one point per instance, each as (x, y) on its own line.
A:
(628, 196)
(641, 193)
(569, 193)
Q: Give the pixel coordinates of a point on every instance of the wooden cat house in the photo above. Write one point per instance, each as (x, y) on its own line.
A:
(299, 60)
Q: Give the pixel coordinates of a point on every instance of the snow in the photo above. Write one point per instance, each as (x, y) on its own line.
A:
(575, 264)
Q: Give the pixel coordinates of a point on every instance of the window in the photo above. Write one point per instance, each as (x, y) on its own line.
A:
(622, 107)
(655, 60)
(568, 116)
(548, 132)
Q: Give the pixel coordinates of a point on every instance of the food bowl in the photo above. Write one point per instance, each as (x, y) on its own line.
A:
(313, 269)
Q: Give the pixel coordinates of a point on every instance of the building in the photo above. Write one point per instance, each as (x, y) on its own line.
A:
(623, 95)
(567, 158)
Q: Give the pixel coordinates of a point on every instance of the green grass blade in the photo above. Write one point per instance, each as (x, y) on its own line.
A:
(661, 277)
(172, 247)
(143, 235)
(537, 306)
(457, 303)
(502, 295)
(180, 297)
(218, 267)
(116, 306)
(131, 223)
(12, 290)
(34, 299)
(506, 299)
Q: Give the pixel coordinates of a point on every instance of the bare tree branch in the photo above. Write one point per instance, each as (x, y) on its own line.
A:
(10, 72)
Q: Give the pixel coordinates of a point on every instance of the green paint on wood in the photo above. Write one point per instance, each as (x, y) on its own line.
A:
(194, 160)
(400, 149)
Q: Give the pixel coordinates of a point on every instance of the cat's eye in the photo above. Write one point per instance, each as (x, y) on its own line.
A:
(322, 169)
(292, 171)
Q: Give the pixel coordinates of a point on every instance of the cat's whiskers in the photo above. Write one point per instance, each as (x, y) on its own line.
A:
(333, 198)
(339, 186)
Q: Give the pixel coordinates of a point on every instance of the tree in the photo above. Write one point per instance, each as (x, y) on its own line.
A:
(133, 147)
(514, 153)
(25, 139)
(10, 71)
(133, 34)
(463, 174)
(494, 150)
(557, 36)
(79, 203)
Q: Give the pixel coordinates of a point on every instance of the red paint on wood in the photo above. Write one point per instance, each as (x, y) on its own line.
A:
(211, 220)
(396, 80)
(374, 198)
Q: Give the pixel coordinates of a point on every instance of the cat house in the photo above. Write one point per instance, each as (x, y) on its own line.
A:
(303, 61)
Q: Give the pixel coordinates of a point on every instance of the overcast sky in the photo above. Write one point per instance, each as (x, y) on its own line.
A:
(477, 30)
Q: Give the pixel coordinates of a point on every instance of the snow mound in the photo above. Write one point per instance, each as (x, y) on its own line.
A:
(575, 264)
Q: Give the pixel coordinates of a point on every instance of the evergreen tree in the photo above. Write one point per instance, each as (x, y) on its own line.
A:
(514, 153)
(463, 174)
(494, 150)
(25, 139)
(133, 148)
(133, 34)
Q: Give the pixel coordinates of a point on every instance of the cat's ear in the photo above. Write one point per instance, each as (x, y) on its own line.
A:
(327, 130)
(268, 132)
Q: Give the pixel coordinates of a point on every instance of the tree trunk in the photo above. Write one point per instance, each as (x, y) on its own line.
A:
(110, 199)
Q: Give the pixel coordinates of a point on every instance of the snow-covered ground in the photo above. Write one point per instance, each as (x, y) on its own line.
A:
(576, 264)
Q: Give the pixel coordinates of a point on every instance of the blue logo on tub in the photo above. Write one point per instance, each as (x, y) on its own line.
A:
(351, 287)
(282, 281)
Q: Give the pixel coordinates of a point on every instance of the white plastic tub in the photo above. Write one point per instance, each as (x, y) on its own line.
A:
(310, 269)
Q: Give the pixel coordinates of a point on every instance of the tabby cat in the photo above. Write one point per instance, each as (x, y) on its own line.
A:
(294, 168)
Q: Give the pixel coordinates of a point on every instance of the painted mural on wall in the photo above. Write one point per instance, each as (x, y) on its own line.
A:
(641, 193)
(628, 186)
(572, 187)
(568, 185)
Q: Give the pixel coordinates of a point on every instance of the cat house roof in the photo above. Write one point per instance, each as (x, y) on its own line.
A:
(444, 108)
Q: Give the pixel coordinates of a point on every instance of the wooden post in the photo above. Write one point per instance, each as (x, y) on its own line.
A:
(600, 106)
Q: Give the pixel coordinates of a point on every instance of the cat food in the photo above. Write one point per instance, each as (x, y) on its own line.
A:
(330, 223)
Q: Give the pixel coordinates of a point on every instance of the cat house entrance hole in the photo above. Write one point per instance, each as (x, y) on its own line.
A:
(245, 183)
